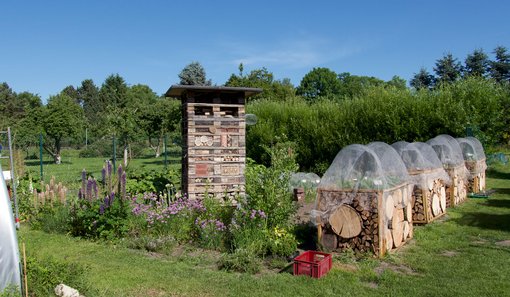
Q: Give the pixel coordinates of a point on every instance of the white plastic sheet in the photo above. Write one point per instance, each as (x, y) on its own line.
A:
(9, 253)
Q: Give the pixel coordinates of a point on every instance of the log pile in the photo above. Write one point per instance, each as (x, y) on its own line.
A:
(456, 193)
(430, 202)
(476, 182)
(373, 221)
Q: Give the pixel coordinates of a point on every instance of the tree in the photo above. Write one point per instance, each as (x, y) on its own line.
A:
(319, 82)
(61, 117)
(72, 93)
(262, 78)
(477, 64)
(500, 68)
(448, 69)
(7, 105)
(93, 107)
(397, 82)
(422, 80)
(113, 91)
(354, 85)
(194, 74)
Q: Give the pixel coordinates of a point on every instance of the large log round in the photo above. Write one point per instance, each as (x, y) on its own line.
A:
(345, 221)
(397, 225)
(397, 198)
(389, 207)
(436, 207)
(388, 239)
(406, 229)
(442, 199)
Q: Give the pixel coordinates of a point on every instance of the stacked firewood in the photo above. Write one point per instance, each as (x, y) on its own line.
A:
(430, 202)
(456, 193)
(365, 221)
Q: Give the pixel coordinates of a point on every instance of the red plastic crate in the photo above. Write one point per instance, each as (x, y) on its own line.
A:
(312, 263)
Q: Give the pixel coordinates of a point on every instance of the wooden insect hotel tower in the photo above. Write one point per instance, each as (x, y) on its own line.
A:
(213, 133)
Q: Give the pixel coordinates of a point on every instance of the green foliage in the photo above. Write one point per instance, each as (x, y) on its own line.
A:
(477, 63)
(262, 222)
(44, 274)
(146, 181)
(448, 69)
(62, 117)
(267, 187)
(273, 89)
(319, 82)
(240, 261)
(194, 74)
(100, 218)
(500, 67)
(52, 218)
(10, 291)
(320, 130)
(422, 80)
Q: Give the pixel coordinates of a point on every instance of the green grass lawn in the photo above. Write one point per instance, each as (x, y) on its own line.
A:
(462, 254)
(69, 171)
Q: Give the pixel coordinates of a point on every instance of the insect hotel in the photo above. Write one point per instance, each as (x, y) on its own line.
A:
(449, 152)
(427, 174)
(214, 146)
(364, 203)
(474, 158)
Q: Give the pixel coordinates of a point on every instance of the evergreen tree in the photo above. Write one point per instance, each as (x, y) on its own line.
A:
(448, 69)
(194, 74)
(500, 68)
(422, 80)
(476, 63)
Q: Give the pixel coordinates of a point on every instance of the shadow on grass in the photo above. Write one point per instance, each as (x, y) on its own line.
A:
(161, 162)
(498, 202)
(485, 221)
(505, 191)
(37, 163)
(493, 173)
(306, 234)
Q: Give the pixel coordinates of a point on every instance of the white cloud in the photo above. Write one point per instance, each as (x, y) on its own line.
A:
(301, 53)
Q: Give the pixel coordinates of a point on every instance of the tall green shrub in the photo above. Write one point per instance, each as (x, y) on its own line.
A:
(382, 113)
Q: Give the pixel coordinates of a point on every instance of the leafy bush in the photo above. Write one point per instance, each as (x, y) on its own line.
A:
(45, 274)
(321, 129)
(92, 215)
(168, 218)
(100, 218)
(144, 181)
(240, 260)
(262, 221)
(52, 218)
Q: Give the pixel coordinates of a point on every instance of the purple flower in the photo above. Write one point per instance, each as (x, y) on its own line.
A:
(83, 179)
(80, 194)
(119, 171)
(103, 175)
(89, 189)
(94, 189)
(112, 197)
(262, 214)
(101, 209)
(109, 168)
(123, 185)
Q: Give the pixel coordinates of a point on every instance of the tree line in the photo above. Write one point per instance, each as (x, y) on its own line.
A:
(114, 109)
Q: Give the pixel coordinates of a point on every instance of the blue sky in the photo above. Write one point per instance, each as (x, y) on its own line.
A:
(47, 45)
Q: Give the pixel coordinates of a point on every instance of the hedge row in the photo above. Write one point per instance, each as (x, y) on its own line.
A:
(320, 129)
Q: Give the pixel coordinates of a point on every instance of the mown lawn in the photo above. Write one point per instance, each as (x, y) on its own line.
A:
(69, 171)
(466, 253)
